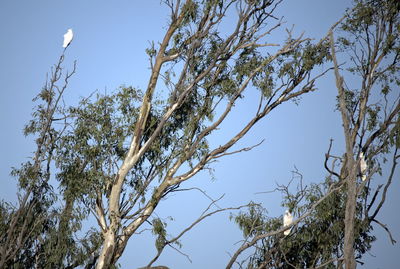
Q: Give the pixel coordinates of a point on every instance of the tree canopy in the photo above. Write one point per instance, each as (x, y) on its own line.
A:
(116, 156)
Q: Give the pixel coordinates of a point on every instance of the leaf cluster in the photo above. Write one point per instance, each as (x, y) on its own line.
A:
(317, 239)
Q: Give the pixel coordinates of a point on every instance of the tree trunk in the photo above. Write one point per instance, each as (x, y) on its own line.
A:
(351, 168)
(349, 260)
(107, 251)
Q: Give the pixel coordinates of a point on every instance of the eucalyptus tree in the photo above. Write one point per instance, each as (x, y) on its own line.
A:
(39, 231)
(125, 152)
(369, 110)
(335, 217)
(119, 155)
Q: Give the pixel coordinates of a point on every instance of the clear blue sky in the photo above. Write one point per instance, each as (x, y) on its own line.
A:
(109, 44)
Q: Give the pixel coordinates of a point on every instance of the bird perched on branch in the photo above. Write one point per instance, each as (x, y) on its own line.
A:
(69, 35)
(363, 166)
(287, 220)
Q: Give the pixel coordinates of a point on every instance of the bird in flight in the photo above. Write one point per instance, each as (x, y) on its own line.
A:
(287, 220)
(69, 35)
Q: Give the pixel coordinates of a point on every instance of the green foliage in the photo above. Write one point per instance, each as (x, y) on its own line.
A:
(317, 239)
(351, 98)
(373, 117)
(86, 152)
(45, 222)
(151, 51)
(190, 11)
(159, 230)
(303, 59)
(370, 36)
(251, 222)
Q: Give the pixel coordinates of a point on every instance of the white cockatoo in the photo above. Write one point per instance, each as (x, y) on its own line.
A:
(69, 35)
(363, 166)
(287, 220)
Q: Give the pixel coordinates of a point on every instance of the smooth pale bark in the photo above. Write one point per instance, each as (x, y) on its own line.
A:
(114, 235)
(106, 255)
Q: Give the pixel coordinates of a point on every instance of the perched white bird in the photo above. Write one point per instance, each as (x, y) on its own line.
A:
(287, 220)
(363, 166)
(69, 35)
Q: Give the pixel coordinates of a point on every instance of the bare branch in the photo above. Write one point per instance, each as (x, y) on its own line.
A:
(384, 226)
(201, 218)
(387, 185)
